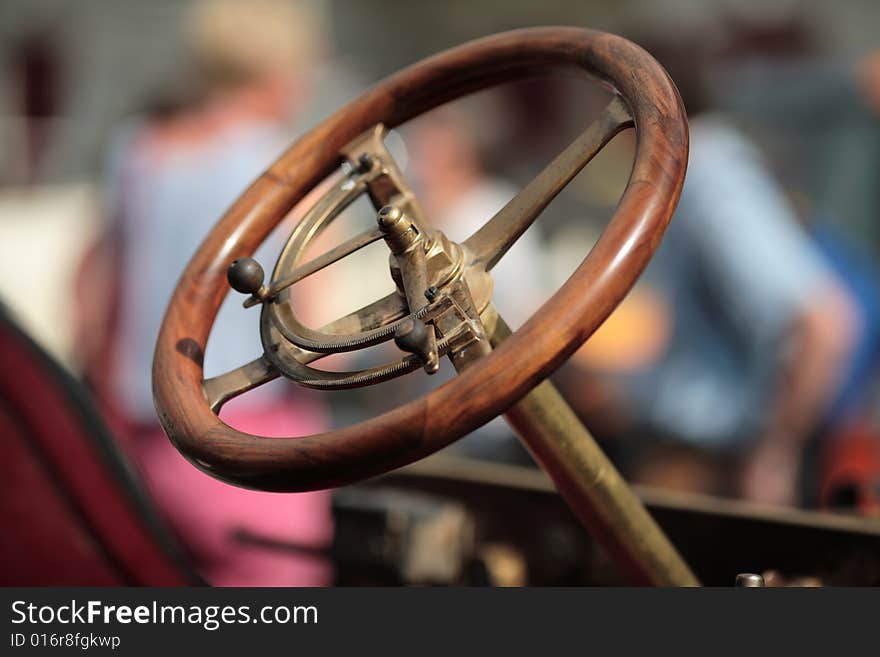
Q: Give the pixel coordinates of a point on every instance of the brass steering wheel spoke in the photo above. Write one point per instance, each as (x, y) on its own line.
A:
(223, 387)
(315, 265)
(489, 244)
(389, 187)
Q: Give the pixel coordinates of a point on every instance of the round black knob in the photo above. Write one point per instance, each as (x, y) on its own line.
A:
(245, 275)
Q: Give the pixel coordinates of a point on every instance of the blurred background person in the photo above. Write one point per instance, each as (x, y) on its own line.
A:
(172, 174)
(751, 329)
(817, 114)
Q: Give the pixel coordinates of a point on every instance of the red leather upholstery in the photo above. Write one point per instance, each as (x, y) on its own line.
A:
(72, 512)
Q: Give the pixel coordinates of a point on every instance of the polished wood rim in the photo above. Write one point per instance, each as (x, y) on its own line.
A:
(492, 385)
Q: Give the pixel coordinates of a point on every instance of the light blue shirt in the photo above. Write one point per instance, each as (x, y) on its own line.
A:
(736, 269)
(164, 210)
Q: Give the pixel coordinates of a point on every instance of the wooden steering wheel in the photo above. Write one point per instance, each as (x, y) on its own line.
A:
(442, 305)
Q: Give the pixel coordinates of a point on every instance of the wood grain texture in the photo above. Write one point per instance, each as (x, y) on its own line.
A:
(500, 379)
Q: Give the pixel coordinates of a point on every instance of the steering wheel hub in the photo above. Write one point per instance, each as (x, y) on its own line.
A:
(435, 311)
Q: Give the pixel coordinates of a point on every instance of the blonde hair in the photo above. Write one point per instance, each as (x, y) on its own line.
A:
(233, 42)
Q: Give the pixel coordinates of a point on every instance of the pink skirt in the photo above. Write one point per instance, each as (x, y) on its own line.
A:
(238, 537)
